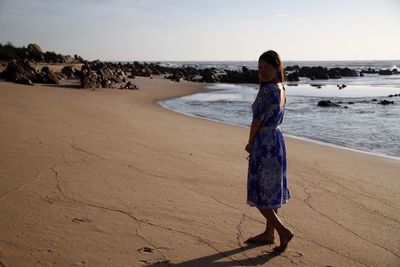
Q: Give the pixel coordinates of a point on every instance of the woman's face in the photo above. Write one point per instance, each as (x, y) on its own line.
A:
(266, 71)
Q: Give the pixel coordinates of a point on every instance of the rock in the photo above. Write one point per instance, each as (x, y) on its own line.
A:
(106, 74)
(386, 102)
(334, 73)
(293, 77)
(327, 103)
(232, 76)
(210, 75)
(385, 72)
(45, 69)
(176, 77)
(317, 73)
(347, 72)
(24, 80)
(46, 76)
(107, 84)
(78, 59)
(146, 72)
(89, 78)
(292, 68)
(129, 85)
(320, 73)
(369, 70)
(69, 72)
(35, 48)
(23, 72)
(34, 52)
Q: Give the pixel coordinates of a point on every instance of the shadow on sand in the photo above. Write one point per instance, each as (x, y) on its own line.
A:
(212, 260)
(62, 85)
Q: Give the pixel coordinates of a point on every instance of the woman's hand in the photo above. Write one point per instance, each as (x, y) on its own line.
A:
(247, 148)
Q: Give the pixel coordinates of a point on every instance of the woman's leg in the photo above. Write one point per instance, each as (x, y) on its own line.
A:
(270, 228)
(266, 237)
(285, 235)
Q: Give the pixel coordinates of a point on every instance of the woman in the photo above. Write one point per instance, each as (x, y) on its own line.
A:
(267, 186)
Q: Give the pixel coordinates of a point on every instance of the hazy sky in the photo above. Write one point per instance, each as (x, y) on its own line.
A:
(206, 29)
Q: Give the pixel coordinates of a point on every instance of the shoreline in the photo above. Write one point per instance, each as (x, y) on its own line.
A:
(306, 139)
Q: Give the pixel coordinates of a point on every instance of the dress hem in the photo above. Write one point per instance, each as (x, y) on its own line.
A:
(252, 204)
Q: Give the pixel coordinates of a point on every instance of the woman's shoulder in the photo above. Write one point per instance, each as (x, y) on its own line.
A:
(271, 85)
(270, 88)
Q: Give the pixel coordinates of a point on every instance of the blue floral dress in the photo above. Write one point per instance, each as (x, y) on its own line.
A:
(267, 184)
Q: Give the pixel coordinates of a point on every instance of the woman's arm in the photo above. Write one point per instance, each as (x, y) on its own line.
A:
(262, 106)
(255, 126)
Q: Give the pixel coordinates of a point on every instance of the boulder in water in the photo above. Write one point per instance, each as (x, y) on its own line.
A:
(327, 103)
(385, 102)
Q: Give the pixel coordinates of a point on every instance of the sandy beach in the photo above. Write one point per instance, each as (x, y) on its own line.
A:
(110, 178)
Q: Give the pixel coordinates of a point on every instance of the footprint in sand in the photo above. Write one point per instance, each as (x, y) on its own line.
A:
(296, 254)
(145, 249)
(81, 263)
(78, 220)
(49, 199)
(1, 255)
(155, 261)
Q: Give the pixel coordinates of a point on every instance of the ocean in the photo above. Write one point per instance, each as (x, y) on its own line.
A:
(362, 124)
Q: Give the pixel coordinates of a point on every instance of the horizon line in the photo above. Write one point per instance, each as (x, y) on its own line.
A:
(192, 60)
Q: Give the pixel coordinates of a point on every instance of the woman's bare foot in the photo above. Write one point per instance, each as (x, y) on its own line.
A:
(284, 241)
(263, 238)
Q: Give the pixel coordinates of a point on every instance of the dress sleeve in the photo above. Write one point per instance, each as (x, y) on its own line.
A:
(265, 102)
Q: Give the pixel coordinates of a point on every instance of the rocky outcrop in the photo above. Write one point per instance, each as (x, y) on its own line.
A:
(385, 72)
(329, 103)
(210, 75)
(292, 68)
(246, 75)
(381, 71)
(98, 74)
(34, 53)
(314, 73)
(47, 76)
(34, 48)
(320, 73)
(369, 71)
(89, 78)
(70, 72)
(25, 72)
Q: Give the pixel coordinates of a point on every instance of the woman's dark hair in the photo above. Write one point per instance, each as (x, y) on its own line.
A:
(274, 59)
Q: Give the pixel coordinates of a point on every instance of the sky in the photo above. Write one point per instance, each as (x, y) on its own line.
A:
(185, 30)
